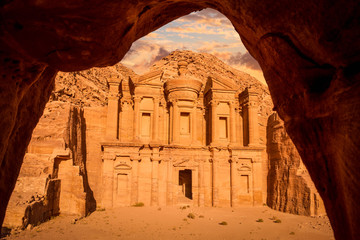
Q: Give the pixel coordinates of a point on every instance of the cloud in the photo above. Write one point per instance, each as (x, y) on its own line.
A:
(208, 21)
(143, 54)
(207, 16)
(182, 35)
(244, 59)
(224, 56)
(204, 31)
(191, 28)
(161, 53)
(211, 46)
(154, 35)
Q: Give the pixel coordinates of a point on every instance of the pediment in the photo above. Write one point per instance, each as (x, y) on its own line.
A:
(150, 78)
(216, 82)
(182, 163)
(185, 163)
(122, 166)
(244, 168)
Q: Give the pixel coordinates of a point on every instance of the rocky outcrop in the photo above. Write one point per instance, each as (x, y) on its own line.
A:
(307, 50)
(86, 88)
(35, 179)
(56, 155)
(55, 162)
(290, 188)
(36, 196)
(76, 142)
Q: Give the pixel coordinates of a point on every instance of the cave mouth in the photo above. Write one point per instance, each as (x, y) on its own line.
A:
(309, 24)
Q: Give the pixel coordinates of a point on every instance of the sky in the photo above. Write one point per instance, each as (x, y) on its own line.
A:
(204, 31)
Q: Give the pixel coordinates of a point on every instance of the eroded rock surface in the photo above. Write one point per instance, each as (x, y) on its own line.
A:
(290, 188)
(309, 52)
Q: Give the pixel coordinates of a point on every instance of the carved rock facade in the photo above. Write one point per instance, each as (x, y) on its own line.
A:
(181, 140)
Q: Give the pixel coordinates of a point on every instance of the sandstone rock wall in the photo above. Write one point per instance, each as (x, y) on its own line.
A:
(37, 168)
(44, 208)
(55, 162)
(95, 119)
(290, 188)
(76, 141)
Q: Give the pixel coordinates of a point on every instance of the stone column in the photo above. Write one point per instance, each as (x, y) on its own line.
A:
(253, 124)
(176, 123)
(257, 182)
(203, 124)
(136, 117)
(213, 121)
(170, 122)
(155, 133)
(155, 181)
(113, 110)
(240, 131)
(135, 180)
(193, 126)
(233, 183)
(164, 122)
(215, 189)
(201, 184)
(108, 180)
(175, 179)
(169, 184)
(232, 124)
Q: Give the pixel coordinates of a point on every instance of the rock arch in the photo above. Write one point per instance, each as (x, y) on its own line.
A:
(309, 52)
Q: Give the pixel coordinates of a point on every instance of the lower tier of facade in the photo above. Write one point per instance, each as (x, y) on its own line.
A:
(172, 175)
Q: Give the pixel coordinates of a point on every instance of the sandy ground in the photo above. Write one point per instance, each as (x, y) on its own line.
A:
(174, 223)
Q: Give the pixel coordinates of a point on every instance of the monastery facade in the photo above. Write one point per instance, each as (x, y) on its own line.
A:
(181, 141)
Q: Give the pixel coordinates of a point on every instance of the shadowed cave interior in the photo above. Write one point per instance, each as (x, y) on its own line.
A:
(317, 95)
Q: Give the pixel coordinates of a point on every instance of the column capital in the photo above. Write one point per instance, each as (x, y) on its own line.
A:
(250, 104)
(253, 104)
(114, 81)
(137, 98)
(256, 160)
(155, 159)
(238, 108)
(135, 158)
(126, 100)
(173, 101)
(109, 156)
(162, 102)
(213, 102)
(114, 95)
(232, 103)
(233, 159)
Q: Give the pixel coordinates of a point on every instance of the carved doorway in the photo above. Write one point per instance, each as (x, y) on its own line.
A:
(185, 182)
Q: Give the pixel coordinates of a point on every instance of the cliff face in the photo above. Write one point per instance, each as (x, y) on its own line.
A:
(87, 88)
(290, 188)
(58, 150)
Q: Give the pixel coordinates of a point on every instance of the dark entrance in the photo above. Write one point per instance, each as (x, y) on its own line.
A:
(185, 180)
